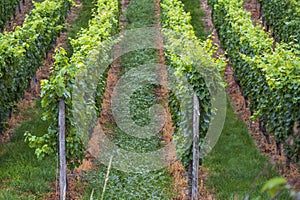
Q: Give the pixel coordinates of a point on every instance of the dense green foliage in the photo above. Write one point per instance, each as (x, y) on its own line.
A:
(184, 65)
(279, 184)
(7, 9)
(22, 51)
(284, 18)
(270, 79)
(62, 81)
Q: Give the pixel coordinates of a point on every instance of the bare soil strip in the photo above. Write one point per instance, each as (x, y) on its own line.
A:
(238, 102)
(253, 7)
(176, 169)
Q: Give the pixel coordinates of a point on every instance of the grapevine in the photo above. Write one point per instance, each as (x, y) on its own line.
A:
(174, 18)
(284, 18)
(23, 51)
(103, 25)
(269, 78)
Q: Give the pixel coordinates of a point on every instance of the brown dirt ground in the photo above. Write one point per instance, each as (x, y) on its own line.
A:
(176, 169)
(253, 6)
(238, 102)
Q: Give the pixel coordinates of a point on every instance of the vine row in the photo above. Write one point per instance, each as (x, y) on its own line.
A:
(22, 51)
(66, 71)
(184, 65)
(269, 78)
(284, 18)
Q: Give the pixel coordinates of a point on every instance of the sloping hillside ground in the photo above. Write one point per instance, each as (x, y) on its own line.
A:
(229, 172)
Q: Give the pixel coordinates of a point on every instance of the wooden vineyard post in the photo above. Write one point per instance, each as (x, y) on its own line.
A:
(196, 114)
(62, 150)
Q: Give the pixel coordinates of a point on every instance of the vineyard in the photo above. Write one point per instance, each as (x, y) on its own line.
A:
(150, 99)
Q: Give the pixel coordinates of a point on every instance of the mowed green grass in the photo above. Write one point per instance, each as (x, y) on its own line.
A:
(22, 176)
(194, 8)
(235, 162)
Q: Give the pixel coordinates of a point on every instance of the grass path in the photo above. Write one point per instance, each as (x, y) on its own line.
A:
(22, 176)
(194, 8)
(235, 162)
